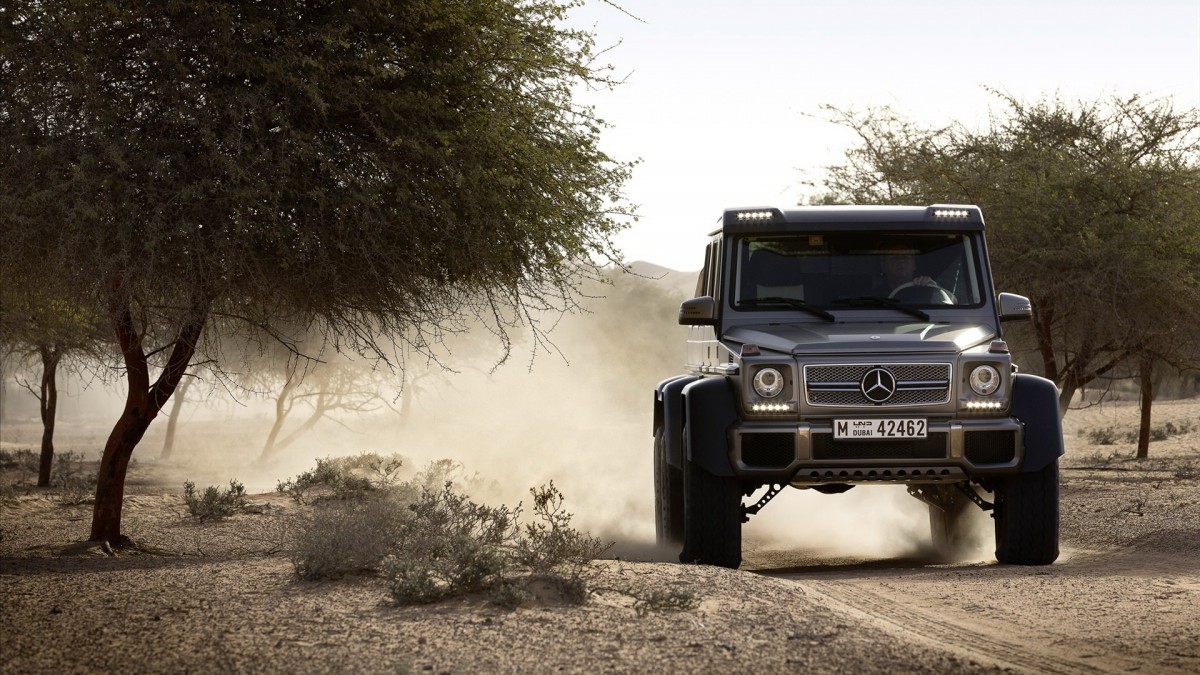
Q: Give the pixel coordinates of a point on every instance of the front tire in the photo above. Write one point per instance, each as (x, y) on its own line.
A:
(712, 532)
(1027, 517)
(668, 496)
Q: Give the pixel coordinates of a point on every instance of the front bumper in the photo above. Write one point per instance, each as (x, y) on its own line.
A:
(805, 453)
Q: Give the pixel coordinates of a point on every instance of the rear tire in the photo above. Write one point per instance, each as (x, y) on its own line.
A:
(712, 532)
(1027, 517)
(668, 496)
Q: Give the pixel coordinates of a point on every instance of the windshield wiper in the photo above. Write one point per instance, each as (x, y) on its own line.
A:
(794, 303)
(872, 301)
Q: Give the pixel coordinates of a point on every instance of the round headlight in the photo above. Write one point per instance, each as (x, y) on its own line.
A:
(768, 383)
(985, 380)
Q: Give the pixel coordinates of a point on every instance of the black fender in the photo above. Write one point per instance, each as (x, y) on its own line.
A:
(1035, 405)
(668, 414)
(710, 409)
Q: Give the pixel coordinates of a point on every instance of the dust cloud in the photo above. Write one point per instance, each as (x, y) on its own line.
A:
(580, 415)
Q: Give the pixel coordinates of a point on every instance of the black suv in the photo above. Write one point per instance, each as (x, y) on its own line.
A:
(830, 347)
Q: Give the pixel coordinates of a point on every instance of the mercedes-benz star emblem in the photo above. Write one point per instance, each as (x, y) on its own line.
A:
(878, 385)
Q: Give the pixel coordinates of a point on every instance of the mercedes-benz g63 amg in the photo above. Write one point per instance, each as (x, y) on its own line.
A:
(832, 347)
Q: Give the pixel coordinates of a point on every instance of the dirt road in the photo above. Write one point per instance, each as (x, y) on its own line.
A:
(1115, 611)
(220, 597)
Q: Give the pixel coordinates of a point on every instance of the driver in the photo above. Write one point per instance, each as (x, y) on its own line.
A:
(899, 265)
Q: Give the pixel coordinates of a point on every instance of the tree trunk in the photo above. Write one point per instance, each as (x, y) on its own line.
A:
(1146, 375)
(48, 404)
(173, 422)
(283, 406)
(318, 412)
(143, 402)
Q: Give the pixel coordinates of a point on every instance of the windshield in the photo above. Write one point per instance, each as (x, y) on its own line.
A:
(841, 270)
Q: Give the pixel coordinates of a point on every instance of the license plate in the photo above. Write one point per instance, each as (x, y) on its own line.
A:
(879, 429)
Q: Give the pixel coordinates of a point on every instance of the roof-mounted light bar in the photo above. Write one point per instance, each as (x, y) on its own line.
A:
(951, 213)
(753, 216)
(757, 215)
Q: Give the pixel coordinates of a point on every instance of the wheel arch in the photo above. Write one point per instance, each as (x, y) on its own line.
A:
(1035, 404)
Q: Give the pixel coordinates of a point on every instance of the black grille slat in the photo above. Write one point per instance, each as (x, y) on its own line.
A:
(768, 449)
(916, 384)
(826, 448)
(990, 447)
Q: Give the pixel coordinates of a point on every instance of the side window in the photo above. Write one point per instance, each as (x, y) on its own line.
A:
(703, 282)
(714, 266)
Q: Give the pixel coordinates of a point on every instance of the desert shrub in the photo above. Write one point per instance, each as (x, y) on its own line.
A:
(675, 597)
(213, 503)
(351, 477)
(20, 460)
(1102, 436)
(449, 545)
(553, 550)
(1112, 436)
(433, 544)
(1186, 470)
(347, 537)
(69, 479)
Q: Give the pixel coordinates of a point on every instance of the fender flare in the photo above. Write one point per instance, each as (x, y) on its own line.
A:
(710, 409)
(1035, 405)
(668, 414)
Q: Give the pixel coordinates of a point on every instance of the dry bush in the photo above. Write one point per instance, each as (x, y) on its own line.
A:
(448, 546)
(350, 477)
(73, 484)
(347, 536)
(214, 504)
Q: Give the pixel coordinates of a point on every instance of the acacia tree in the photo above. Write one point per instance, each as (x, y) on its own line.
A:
(371, 170)
(1091, 209)
(37, 329)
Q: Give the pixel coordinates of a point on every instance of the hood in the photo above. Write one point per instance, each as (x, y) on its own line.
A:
(814, 338)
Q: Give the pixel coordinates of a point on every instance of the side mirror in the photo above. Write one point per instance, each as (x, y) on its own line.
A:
(701, 311)
(1013, 306)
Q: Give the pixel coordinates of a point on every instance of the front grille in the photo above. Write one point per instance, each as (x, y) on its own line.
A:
(841, 384)
(825, 447)
(768, 450)
(990, 447)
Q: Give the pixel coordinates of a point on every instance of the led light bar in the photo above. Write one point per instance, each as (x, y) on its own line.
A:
(951, 213)
(755, 215)
(771, 407)
(985, 405)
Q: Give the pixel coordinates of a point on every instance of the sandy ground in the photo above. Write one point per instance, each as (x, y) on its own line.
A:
(222, 597)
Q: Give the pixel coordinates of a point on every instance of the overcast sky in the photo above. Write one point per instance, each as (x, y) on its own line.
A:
(722, 101)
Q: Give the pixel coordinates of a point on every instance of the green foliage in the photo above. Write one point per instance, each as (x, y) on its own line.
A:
(387, 165)
(1093, 210)
(214, 503)
(371, 172)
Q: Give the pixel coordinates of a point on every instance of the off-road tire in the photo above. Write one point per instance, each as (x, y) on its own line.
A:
(1027, 517)
(712, 518)
(668, 496)
(951, 527)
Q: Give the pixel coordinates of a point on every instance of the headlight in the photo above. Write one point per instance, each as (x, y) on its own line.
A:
(985, 380)
(768, 383)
